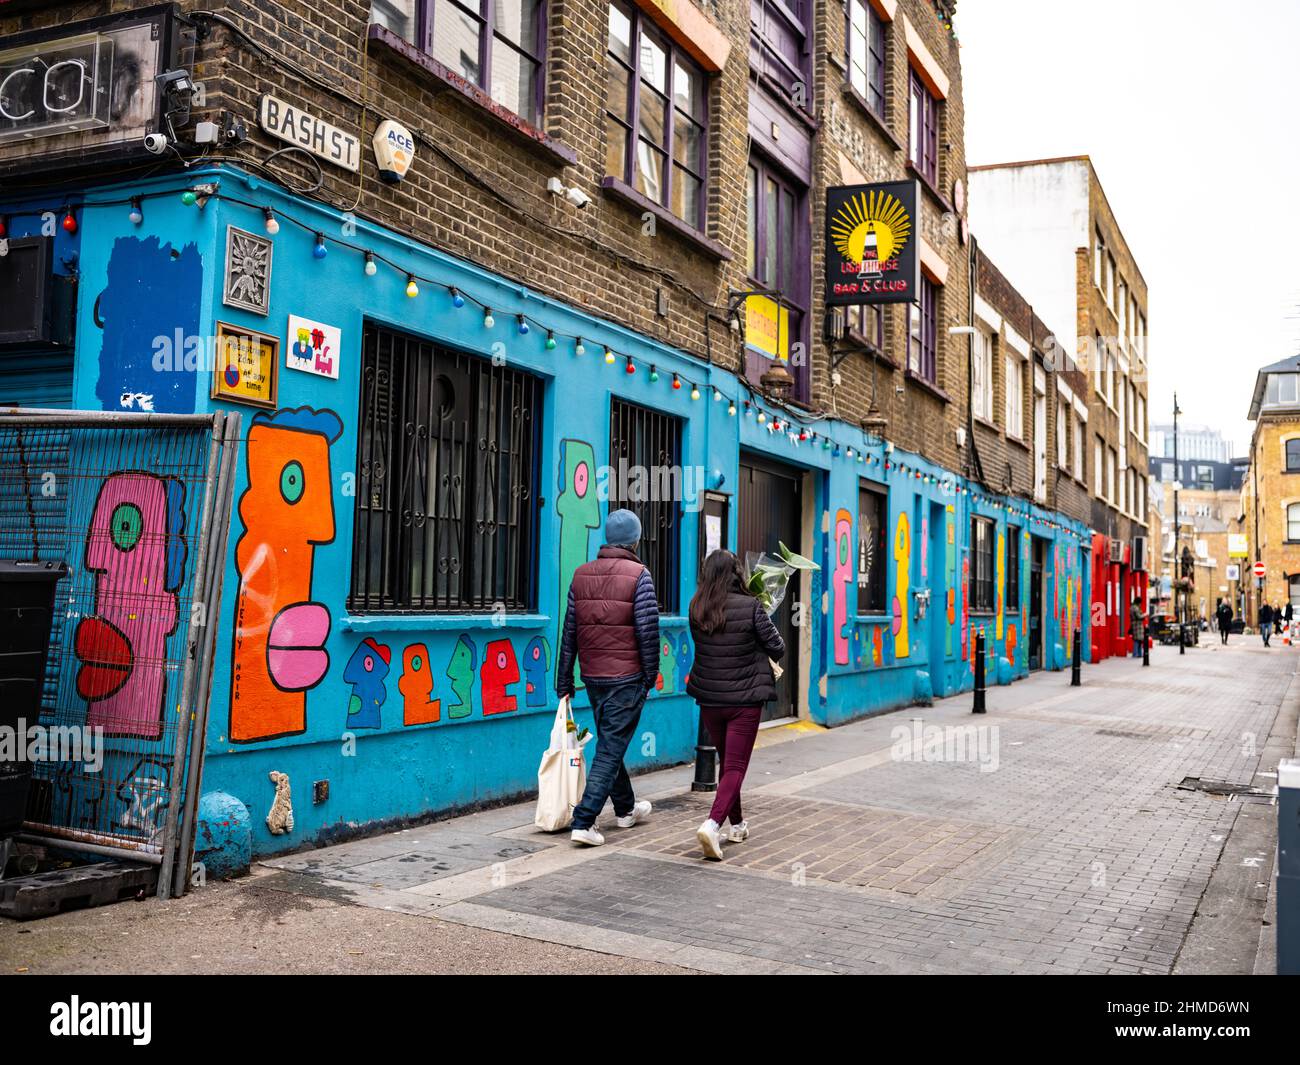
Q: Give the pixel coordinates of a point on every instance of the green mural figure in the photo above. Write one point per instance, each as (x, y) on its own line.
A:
(577, 505)
(667, 680)
(460, 671)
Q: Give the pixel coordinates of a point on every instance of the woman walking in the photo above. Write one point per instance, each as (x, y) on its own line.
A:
(731, 678)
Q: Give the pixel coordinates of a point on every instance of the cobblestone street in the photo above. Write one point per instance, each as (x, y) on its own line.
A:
(1068, 834)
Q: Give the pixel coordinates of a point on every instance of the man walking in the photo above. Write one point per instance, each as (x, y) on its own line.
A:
(1223, 617)
(611, 626)
(1266, 622)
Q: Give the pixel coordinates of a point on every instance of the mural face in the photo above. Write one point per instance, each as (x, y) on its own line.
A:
(537, 662)
(287, 509)
(950, 561)
(666, 682)
(500, 671)
(152, 298)
(460, 671)
(841, 579)
(366, 671)
(578, 508)
(419, 707)
(136, 550)
(902, 584)
(682, 643)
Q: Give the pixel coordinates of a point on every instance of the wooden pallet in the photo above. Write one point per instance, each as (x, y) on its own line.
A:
(25, 898)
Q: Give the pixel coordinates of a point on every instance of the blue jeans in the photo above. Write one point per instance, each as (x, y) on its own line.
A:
(617, 707)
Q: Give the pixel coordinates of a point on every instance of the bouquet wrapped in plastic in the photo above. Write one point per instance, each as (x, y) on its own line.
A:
(767, 576)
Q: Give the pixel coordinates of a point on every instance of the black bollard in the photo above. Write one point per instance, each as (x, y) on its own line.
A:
(1146, 646)
(978, 707)
(706, 762)
(1182, 639)
(1077, 664)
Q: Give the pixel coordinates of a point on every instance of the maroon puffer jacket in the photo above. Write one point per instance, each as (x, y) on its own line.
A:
(603, 592)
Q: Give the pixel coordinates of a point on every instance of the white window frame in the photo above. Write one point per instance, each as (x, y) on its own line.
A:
(982, 374)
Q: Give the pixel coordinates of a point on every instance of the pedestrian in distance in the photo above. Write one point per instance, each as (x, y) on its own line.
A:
(731, 678)
(611, 628)
(1277, 619)
(1138, 626)
(1223, 616)
(1266, 622)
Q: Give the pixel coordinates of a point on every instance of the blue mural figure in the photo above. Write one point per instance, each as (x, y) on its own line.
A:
(682, 644)
(366, 671)
(537, 660)
(460, 671)
(151, 352)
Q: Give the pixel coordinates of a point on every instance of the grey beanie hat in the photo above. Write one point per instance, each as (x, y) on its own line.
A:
(622, 528)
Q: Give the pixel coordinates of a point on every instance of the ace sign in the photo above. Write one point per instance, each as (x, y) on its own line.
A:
(872, 244)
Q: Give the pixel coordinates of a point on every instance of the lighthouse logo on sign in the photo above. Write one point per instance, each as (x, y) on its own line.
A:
(871, 247)
(870, 229)
(394, 150)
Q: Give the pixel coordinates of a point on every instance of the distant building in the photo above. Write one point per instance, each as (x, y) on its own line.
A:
(1271, 492)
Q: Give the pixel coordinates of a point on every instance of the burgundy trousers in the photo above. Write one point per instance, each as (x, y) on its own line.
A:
(733, 730)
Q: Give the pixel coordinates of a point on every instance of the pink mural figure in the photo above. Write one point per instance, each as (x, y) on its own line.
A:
(842, 577)
(1000, 563)
(500, 670)
(902, 582)
(925, 548)
(136, 550)
(1011, 644)
(419, 707)
(877, 642)
(965, 608)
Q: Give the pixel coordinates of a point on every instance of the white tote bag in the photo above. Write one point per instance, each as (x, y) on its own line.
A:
(562, 776)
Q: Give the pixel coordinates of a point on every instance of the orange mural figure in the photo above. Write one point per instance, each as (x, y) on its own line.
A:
(902, 582)
(278, 650)
(419, 707)
(1002, 583)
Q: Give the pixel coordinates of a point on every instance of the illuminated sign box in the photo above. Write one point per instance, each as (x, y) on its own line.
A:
(73, 94)
(58, 87)
(872, 244)
(767, 327)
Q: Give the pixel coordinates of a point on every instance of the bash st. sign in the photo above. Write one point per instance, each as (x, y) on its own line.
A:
(872, 243)
(295, 126)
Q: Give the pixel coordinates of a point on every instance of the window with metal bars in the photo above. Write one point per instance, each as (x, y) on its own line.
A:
(645, 453)
(981, 552)
(446, 517)
(1013, 568)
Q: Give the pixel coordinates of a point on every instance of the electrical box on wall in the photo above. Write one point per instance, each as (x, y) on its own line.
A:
(36, 305)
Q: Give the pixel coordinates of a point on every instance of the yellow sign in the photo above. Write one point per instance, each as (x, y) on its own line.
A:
(1237, 547)
(767, 327)
(244, 370)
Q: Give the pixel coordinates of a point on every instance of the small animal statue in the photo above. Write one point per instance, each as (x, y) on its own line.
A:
(280, 819)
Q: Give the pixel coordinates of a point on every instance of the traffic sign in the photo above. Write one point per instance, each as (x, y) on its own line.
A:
(1259, 569)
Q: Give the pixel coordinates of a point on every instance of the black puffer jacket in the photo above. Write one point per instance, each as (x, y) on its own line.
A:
(732, 666)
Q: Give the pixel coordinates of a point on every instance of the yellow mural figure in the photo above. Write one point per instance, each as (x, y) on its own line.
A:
(1001, 564)
(1069, 613)
(902, 579)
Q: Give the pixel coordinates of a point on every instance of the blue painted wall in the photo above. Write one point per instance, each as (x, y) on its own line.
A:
(356, 726)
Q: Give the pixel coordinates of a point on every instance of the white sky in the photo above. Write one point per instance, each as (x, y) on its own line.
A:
(1187, 110)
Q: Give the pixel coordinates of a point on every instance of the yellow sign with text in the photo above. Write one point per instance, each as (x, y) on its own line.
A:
(1237, 546)
(767, 327)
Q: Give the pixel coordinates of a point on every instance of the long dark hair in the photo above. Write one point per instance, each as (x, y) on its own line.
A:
(722, 575)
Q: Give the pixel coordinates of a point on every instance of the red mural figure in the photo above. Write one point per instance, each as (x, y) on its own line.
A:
(500, 670)
(278, 651)
(416, 685)
(136, 550)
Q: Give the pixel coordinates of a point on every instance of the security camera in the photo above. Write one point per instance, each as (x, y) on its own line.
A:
(155, 143)
(577, 197)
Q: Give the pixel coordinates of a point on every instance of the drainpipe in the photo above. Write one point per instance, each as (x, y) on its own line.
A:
(974, 458)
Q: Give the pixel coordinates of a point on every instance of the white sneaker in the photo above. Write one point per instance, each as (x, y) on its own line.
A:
(639, 813)
(710, 839)
(739, 833)
(587, 836)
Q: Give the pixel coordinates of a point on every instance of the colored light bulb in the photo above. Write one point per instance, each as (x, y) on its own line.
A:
(457, 300)
(69, 223)
(137, 213)
(412, 289)
(272, 226)
(550, 341)
(319, 251)
(523, 326)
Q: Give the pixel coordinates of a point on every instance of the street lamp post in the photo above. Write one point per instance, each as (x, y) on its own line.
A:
(1179, 597)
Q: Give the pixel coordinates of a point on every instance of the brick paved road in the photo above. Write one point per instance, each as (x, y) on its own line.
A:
(1057, 836)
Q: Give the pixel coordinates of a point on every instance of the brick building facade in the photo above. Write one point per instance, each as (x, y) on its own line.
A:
(605, 205)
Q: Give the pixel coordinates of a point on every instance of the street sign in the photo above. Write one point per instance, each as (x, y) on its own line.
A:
(1233, 573)
(1259, 569)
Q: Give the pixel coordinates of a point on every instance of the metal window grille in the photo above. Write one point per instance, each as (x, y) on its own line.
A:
(1013, 567)
(643, 439)
(447, 467)
(982, 565)
(873, 505)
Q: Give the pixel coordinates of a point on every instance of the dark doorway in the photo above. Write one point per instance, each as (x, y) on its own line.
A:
(771, 510)
(1036, 603)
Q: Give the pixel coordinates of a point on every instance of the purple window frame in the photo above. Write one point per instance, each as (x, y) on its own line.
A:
(923, 143)
(630, 120)
(486, 18)
(874, 55)
(925, 365)
(793, 258)
(773, 23)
